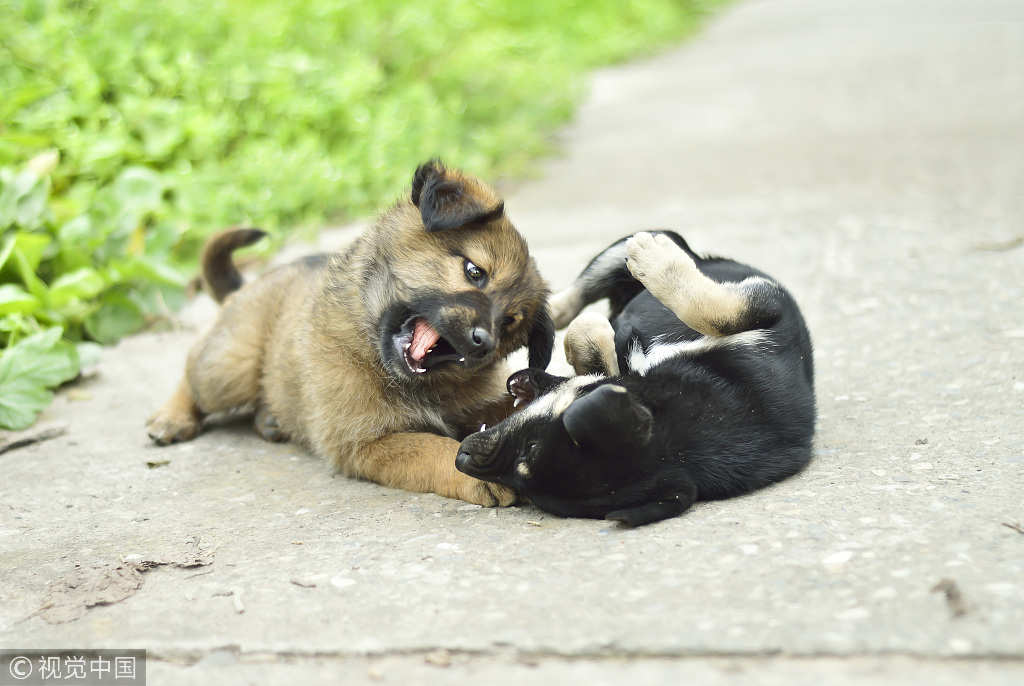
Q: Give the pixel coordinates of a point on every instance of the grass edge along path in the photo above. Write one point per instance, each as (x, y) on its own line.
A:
(129, 131)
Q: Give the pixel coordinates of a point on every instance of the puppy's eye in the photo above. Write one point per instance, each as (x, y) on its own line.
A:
(475, 274)
(508, 321)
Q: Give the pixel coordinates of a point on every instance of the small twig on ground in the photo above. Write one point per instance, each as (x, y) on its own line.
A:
(1015, 527)
(1001, 246)
(193, 576)
(20, 439)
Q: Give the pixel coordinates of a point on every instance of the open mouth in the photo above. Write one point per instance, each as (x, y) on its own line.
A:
(423, 348)
(522, 387)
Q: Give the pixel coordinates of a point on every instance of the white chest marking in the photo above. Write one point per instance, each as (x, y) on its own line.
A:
(641, 362)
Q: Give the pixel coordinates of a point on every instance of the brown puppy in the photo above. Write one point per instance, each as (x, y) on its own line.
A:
(380, 358)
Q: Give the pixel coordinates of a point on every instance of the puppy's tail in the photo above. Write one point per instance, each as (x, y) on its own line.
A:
(219, 271)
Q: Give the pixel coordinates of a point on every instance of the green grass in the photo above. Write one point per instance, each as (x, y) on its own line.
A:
(131, 129)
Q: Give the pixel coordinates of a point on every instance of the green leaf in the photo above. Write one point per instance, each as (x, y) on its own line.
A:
(13, 298)
(23, 200)
(116, 318)
(77, 231)
(82, 283)
(139, 189)
(33, 210)
(162, 130)
(73, 313)
(5, 252)
(17, 326)
(143, 267)
(89, 353)
(28, 276)
(11, 193)
(33, 246)
(28, 370)
(44, 163)
(24, 95)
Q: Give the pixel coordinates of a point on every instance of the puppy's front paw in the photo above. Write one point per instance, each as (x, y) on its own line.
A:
(487, 494)
(166, 427)
(658, 263)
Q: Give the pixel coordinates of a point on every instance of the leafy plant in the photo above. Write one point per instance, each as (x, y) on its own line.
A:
(131, 130)
(59, 288)
(28, 369)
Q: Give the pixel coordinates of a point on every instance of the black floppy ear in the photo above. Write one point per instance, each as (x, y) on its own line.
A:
(542, 338)
(608, 416)
(424, 173)
(445, 202)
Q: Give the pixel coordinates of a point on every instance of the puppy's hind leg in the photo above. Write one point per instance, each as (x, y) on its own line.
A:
(178, 420)
(590, 345)
(605, 277)
(705, 305)
(222, 373)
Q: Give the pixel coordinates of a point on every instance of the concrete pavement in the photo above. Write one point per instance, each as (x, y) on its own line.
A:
(869, 154)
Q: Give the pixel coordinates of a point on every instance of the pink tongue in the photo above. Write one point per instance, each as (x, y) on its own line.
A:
(423, 338)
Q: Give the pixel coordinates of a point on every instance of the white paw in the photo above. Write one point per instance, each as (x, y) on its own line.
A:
(658, 263)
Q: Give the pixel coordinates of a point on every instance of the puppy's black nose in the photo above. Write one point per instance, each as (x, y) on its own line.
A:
(480, 342)
(463, 462)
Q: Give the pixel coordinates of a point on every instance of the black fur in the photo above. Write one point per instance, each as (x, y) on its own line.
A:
(713, 423)
(618, 285)
(542, 338)
(219, 271)
(444, 204)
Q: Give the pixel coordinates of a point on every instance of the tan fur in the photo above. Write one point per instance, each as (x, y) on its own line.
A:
(673, 278)
(590, 345)
(302, 345)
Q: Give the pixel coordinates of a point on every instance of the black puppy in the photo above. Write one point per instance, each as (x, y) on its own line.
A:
(715, 399)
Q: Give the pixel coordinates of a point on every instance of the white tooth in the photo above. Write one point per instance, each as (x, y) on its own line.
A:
(517, 402)
(462, 359)
(483, 427)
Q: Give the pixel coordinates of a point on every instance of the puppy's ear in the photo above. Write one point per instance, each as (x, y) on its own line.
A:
(608, 416)
(424, 172)
(542, 338)
(444, 200)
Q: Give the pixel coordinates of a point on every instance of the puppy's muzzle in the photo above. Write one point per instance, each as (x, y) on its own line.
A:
(480, 343)
(477, 455)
